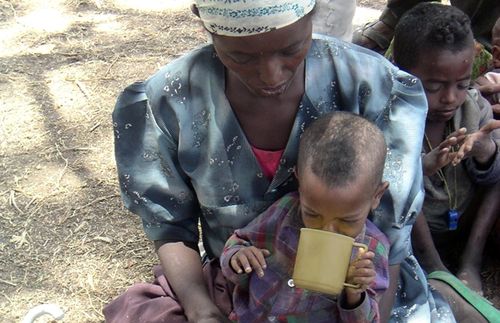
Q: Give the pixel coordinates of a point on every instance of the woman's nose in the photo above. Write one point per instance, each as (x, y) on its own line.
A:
(270, 71)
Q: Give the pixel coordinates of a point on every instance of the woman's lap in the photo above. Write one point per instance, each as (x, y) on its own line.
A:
(156, 302)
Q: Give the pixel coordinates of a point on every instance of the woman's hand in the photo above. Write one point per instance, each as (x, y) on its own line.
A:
(442, 155)
(248, 259)
(361, 272)
(182, 266)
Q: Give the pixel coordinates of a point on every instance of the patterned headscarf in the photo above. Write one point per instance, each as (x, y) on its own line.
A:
(250, 17)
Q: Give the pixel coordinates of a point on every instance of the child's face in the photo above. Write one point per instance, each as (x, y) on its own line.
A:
(341, 210)
(446, 77)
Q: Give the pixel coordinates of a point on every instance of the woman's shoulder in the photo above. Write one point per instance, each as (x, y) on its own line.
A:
(198, 61)
(176, 72)
(171, 88)
(361, 66)
(361, 76)
(342, 50)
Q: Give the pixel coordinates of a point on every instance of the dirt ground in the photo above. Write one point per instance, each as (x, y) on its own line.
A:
(65, 237)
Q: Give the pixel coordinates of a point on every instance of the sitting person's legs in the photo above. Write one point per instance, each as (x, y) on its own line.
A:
(462, 250)
(377, 35)
(483, 220)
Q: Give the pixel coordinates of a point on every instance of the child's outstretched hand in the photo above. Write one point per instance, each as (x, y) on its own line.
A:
(248, 259)
(479, 144)
(361, 272)
(442, 155)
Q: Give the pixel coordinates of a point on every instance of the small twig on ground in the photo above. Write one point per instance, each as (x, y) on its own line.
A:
(7, 297)
(29, 203)
(67, 217)
(79, 149)
(68, 54)
(6, 282)
(83, 90)
(36, 209)
(12, 201)
(103, 239)
(97, 200)
(111, 65)
(65, 165)
(95, 127)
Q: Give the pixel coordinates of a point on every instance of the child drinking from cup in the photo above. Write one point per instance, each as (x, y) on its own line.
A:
(461, 159)
(339, 169)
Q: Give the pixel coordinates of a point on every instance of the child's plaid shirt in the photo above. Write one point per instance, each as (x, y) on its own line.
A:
(270, 298)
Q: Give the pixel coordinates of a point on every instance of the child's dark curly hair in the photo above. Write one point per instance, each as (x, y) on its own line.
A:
(430, 25)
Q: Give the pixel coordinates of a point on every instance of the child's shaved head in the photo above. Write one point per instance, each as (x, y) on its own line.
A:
(340, 146)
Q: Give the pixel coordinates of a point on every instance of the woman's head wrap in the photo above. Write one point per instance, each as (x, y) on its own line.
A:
(250, 17)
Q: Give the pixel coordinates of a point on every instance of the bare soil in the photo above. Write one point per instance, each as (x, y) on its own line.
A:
(65, 237)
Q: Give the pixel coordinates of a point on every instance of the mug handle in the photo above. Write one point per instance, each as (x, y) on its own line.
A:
(365, 248)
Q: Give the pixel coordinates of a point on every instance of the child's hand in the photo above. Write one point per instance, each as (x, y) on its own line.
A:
(248, 258)
(442, 155)
(361, 272)
(479, 144)
(486, 87)
(496, 110)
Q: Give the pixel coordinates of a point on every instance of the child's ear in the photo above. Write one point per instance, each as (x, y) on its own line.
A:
(295, 172)
(382, 187)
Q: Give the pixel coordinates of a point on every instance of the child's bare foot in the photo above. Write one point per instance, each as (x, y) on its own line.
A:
(471, 277)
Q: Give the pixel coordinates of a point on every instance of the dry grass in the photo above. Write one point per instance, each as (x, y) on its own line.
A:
(65, 237)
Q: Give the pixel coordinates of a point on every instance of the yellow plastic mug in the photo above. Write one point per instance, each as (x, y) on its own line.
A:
(323, 260)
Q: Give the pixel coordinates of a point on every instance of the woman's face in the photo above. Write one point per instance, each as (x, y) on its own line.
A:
(266, 64)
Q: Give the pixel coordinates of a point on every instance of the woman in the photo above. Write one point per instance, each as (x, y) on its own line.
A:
(213, 137)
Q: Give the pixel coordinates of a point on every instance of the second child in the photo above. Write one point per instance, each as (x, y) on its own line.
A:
(461, 159)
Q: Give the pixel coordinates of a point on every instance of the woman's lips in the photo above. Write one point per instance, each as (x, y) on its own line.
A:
(274, 91)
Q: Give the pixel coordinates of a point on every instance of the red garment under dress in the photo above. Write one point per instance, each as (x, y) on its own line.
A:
(269, 160)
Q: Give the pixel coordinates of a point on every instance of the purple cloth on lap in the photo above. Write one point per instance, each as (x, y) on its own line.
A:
(156, 302)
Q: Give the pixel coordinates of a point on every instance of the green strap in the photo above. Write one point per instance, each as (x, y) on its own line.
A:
(481, 304)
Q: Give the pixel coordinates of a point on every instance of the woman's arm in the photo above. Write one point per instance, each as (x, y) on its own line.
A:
(182, 265)
(387, 300)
